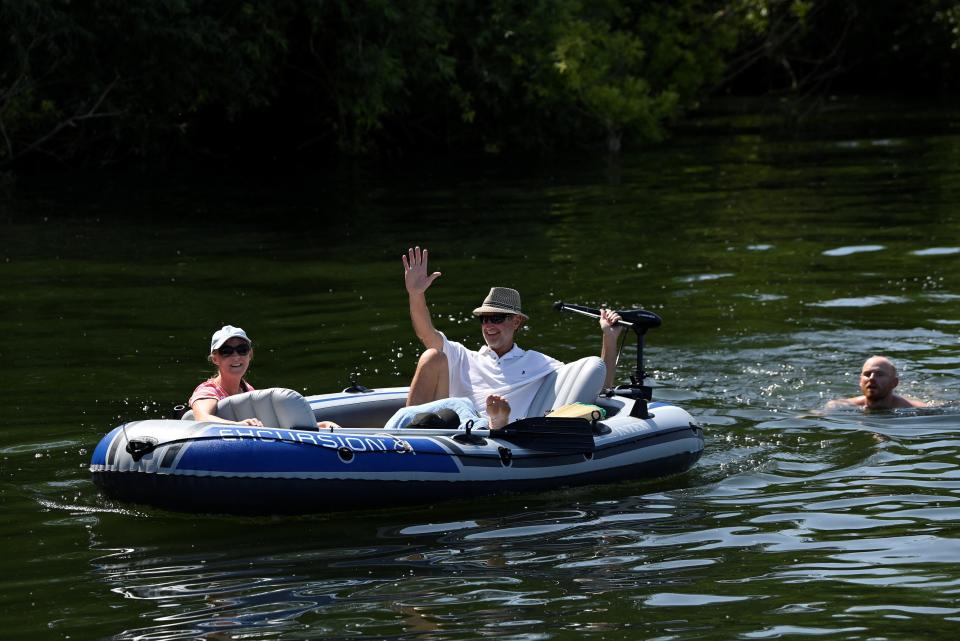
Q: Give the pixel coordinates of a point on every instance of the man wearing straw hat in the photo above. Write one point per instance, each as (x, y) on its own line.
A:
(499, 378)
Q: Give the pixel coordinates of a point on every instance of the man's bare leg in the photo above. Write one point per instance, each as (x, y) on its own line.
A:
(498, 409)
(431, 381)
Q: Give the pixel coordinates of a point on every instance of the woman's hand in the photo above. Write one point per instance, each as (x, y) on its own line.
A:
(253, 422)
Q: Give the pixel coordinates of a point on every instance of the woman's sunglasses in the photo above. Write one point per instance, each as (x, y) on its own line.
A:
(496, 319)
(228, 350)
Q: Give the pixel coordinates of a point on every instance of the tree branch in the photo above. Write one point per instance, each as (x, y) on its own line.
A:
(83, 114)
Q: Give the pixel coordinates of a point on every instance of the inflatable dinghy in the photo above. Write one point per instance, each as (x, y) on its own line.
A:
(291, 467)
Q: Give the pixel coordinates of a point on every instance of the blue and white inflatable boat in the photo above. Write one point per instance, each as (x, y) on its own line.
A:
(291, 467)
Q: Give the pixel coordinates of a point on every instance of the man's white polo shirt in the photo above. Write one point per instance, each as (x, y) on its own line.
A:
(516, 375)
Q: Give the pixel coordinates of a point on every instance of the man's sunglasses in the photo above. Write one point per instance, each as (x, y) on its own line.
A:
(496, 319)
(228, 350)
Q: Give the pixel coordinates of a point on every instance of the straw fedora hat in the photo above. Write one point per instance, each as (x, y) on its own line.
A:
(501, 300)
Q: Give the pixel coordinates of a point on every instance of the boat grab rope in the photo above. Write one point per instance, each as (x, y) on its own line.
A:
(138, 447)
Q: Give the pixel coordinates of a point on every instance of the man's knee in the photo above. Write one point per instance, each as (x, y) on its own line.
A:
(432, 359)
(430, 381)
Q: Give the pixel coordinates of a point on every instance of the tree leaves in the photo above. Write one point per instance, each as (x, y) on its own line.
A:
(109, 79)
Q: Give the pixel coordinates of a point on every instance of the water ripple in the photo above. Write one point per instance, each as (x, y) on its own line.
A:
(853, 249)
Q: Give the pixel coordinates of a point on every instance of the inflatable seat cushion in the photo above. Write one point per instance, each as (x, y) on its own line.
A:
(577, 382)
(274, 406)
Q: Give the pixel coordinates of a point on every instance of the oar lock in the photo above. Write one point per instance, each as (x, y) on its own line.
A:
(466, 438)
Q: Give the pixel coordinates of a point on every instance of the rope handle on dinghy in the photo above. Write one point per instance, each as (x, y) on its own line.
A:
(141, 446)
(405, 447)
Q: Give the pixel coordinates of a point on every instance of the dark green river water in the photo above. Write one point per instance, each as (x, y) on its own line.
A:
(778, 262)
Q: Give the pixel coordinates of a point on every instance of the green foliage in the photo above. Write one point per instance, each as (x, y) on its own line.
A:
(541, 73)
(812, 47)
(949, 17)
(601, 66)
(367, 58)
(108, 79)
(498, 96)
(33, 36)
(111, 73)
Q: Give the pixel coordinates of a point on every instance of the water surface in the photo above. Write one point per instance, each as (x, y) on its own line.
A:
(778, 262)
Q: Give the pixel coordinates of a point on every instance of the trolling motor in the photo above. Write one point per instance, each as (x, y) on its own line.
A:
(640, 320)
